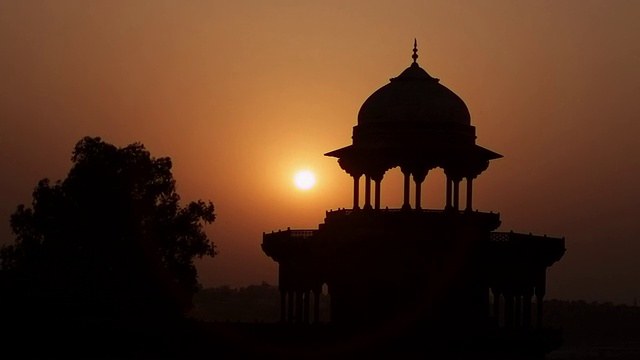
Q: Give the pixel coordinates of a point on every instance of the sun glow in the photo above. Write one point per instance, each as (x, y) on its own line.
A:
(304, 180)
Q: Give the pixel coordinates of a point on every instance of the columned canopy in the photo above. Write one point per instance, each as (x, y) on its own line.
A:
(462, 163)
(417, 124)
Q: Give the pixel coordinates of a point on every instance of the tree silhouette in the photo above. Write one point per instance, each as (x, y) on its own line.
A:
(109, 241)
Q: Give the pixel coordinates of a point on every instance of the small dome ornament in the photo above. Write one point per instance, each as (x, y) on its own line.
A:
(415, 51)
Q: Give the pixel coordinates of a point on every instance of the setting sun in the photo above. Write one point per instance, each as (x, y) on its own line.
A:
(304, 180)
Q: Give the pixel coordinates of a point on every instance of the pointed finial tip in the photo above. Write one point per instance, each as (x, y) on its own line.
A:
(415, 50)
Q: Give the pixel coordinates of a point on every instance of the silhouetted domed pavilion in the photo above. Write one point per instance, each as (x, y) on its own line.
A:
(445, 271)
(418, 124)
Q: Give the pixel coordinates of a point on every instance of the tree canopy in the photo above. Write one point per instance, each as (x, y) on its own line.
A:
(109, 240)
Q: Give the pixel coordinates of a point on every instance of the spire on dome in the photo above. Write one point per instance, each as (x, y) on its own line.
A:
(415, 50)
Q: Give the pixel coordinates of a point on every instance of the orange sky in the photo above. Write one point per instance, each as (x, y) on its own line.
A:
(242, 94)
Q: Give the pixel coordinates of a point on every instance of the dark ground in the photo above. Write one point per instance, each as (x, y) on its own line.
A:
(230, 323)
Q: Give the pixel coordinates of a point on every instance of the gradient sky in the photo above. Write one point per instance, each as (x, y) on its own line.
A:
(242, 94)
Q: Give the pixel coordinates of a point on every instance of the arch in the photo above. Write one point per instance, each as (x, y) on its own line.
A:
(433, 189)
(391, 195)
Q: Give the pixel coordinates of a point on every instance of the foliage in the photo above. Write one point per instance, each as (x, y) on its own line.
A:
(109, 240)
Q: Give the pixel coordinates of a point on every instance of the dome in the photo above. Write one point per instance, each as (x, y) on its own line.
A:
(414, 97)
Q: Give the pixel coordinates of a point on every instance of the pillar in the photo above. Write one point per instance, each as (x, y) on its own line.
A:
(518, 311)
(334, 304)
(378, 181)
(289, 305)
(448, 195)
(307, 303)
(540, 292)
(356, 192)
(526, 307)
(316, 305)
(469, 206)
(508, 310)
(367, 192)
(419, 178)
(299, 308)
(283, 305)
(496, 305)
(407, 184)
(539, 303)
(456, 194)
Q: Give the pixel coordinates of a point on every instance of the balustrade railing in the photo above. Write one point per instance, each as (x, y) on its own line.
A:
(291, 234)
(499, 237)
(348, 212)
(302, 234)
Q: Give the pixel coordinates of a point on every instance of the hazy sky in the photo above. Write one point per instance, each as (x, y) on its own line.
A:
(242, 94)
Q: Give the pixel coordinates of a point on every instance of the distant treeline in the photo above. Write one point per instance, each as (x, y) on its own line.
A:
(254, 303)
(592, 323)
(246, 304)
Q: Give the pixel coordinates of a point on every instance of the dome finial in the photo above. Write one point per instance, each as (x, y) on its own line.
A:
(415, 50)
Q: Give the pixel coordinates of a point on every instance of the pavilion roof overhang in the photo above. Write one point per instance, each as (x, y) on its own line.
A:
(471, 151)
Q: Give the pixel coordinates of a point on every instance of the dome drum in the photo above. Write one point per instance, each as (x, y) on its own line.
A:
(411, 135)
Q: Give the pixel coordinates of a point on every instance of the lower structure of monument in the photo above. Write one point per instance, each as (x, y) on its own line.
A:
(444, 273)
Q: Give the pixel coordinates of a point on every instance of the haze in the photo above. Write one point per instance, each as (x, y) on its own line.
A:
(242, 95)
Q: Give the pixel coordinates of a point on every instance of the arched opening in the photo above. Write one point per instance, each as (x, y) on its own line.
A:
(324, 313)
(434, 190)
(392, 189)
